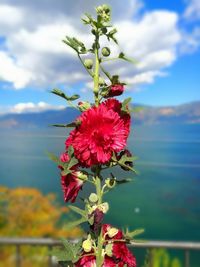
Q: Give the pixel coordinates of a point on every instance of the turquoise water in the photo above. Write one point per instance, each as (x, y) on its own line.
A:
(164, 198)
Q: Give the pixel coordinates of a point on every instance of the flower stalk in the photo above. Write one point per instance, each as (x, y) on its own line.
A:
(97, 142)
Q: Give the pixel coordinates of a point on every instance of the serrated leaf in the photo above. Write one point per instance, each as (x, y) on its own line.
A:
(72, 124)
(131, 60)
(60, 93)
(75, 44)
(73, 161)
(70, 151)
(78, 210)
(61, 255)
(75, 223)
(136, 109)
(134, 233)
(123, 181)
(54, 158)
(125, 103)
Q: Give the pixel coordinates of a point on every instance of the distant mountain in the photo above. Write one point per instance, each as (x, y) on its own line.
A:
(183, 114)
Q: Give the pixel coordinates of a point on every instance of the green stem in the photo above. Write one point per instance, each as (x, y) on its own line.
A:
(99, 256)
(89, 71)
(106, 73)
(96, 71)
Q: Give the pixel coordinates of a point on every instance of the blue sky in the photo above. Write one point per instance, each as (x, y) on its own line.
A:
(164, 37)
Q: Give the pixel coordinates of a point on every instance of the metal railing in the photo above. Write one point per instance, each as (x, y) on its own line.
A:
(50, 243)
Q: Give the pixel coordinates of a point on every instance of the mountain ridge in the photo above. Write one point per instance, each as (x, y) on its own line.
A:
(187, 113)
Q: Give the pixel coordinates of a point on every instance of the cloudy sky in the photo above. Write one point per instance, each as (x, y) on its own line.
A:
(164, 37)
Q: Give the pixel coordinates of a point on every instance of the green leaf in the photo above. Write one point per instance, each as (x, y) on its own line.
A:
(123, 181)
(61, 255)
(70, 151)
(73, 161)
(60, 93)
(131, 60)
(125, 103)
(75, 223)
(55, 158)
(131, 235)
(75, 44)
(78, 210)
(73, 124)
(136, 109)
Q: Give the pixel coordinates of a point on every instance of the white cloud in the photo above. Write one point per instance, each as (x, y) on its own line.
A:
(37, 57)
(192, 11)
(11, 72)
(191, 41)
(33, 107)
(10, 18)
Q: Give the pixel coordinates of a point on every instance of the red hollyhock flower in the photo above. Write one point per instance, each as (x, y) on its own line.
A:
(90, 261)
(102, 131)
(121, 253)
(115, 90)
(86, 261)
(70, 182)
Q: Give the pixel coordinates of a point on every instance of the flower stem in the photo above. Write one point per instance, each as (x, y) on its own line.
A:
(96, 71)
(99, 253)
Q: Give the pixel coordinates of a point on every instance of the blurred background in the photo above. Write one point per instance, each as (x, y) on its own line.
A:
(164, 38)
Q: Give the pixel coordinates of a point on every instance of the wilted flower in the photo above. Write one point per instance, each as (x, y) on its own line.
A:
(71, 184)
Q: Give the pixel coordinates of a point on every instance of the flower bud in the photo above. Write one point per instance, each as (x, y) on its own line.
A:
(87, 245)
(83, 106)
(88, 63)
(82, 176)
(105, 51)
(104, 207)
(108, 250)
(112, 232)
(115, 90)
(103, 12)
(110, 182)
(93, 198)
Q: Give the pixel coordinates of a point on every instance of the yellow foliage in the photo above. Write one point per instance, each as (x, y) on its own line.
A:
(26, 212)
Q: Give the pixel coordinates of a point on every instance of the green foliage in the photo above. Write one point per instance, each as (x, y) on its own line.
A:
(131, 235)
(69, 253)
(160, 258)
(69, 125)
(75, 44)
(125, 104)
(60, 93)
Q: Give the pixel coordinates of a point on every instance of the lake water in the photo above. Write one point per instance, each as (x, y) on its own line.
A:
(164, 198)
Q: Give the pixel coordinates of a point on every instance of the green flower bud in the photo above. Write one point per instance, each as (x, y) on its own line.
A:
(88, 63)
(112, 232)
(108, 250)
(110, 182)
(103, 12)
(93, 198)
(87, 245)
(105, 51)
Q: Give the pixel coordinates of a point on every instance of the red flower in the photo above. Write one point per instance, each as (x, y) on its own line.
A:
(70, 182)
(90, 261)
(86, 261)
(115, 90)
(102, 131)
(121, 253)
